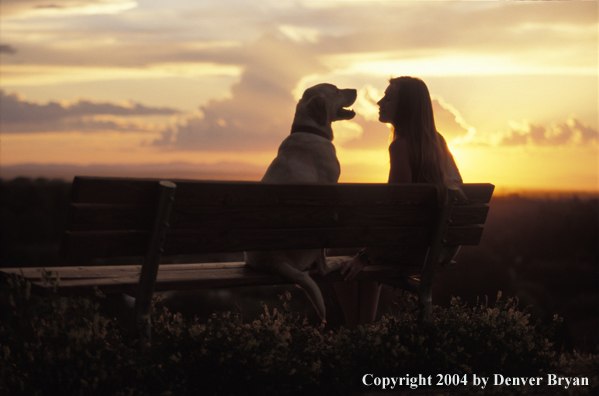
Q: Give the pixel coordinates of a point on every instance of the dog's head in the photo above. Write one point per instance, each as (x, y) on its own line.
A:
(323, 104)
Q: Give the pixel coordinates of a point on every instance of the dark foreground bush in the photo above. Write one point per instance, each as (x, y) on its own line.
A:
(61, 346)
(481, 340)
(65, 346)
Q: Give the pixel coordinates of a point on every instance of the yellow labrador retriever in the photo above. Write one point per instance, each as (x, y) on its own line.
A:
(307, 155)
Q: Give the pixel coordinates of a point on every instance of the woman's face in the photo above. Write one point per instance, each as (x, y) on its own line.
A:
(388, 105)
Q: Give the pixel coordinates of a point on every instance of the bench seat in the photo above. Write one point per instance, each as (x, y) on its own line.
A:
(124, 279)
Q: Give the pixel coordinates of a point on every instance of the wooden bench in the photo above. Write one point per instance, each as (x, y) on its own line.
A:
(124, 217)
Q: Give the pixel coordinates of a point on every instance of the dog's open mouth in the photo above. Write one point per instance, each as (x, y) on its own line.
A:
(345, 114)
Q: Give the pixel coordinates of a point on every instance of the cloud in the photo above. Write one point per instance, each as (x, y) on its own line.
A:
(7, 49)
(413, 30)
(449, 121)
(17, 110)
(18, 115)
(92, 124)
(259, 111)
(12, 8)
(384, 30)
(570, 133)
(366, 102)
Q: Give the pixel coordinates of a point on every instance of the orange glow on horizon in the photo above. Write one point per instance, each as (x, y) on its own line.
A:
(508, 168)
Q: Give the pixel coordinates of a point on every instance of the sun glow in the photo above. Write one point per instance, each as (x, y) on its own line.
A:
(526, 168)
(363, 166)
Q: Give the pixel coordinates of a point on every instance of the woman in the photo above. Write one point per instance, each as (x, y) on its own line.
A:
(418, 154)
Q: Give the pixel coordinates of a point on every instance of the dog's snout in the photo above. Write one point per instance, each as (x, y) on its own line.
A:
(351, 93)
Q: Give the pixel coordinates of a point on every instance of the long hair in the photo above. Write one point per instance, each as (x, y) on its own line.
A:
(414, 120)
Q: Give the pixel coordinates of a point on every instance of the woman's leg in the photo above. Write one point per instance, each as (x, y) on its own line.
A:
(348, 294)
(370, 291)
(359, 301)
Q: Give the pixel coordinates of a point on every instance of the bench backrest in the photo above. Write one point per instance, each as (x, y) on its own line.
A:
(114, 217)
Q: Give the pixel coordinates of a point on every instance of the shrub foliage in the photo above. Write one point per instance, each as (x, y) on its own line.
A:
(66, 345)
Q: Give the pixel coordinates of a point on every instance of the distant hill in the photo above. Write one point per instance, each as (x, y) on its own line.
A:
(180, 170)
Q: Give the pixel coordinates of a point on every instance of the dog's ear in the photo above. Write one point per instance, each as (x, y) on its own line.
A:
(317, 108)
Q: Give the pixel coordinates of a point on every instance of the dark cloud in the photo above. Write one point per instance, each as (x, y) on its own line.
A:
(15, 110)
(514, 138)
(571, 132)
(49, 6)
(84, 124)
(7, 49)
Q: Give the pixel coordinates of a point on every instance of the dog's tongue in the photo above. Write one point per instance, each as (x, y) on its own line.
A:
(346, 114)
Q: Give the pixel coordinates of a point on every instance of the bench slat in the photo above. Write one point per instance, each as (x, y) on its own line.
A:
(201, 241)
(102, 244)
(179, 277)
(133, 243)
(143, 192)
(129, 217)
(110, 217)
(216, 193)
(478, 192)
(306, 216)
(110, 271)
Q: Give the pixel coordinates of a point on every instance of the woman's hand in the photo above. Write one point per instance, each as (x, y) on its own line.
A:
(352, 267)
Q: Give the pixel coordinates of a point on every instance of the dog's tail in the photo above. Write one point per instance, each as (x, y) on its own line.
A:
(305, 282)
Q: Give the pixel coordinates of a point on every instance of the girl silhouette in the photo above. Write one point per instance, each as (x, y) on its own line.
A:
(418, 154)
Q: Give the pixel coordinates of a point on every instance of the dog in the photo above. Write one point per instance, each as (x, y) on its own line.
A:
(307, 155)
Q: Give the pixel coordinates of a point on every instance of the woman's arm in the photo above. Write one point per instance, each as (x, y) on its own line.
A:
(354, 265)
(452, 168)
(399, 156)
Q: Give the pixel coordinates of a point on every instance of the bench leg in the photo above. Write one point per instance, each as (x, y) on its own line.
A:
(144, 326)
(425, 304)
(425, 298)
(149, 270)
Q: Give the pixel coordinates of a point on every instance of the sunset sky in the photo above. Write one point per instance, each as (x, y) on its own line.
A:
(207, 89)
